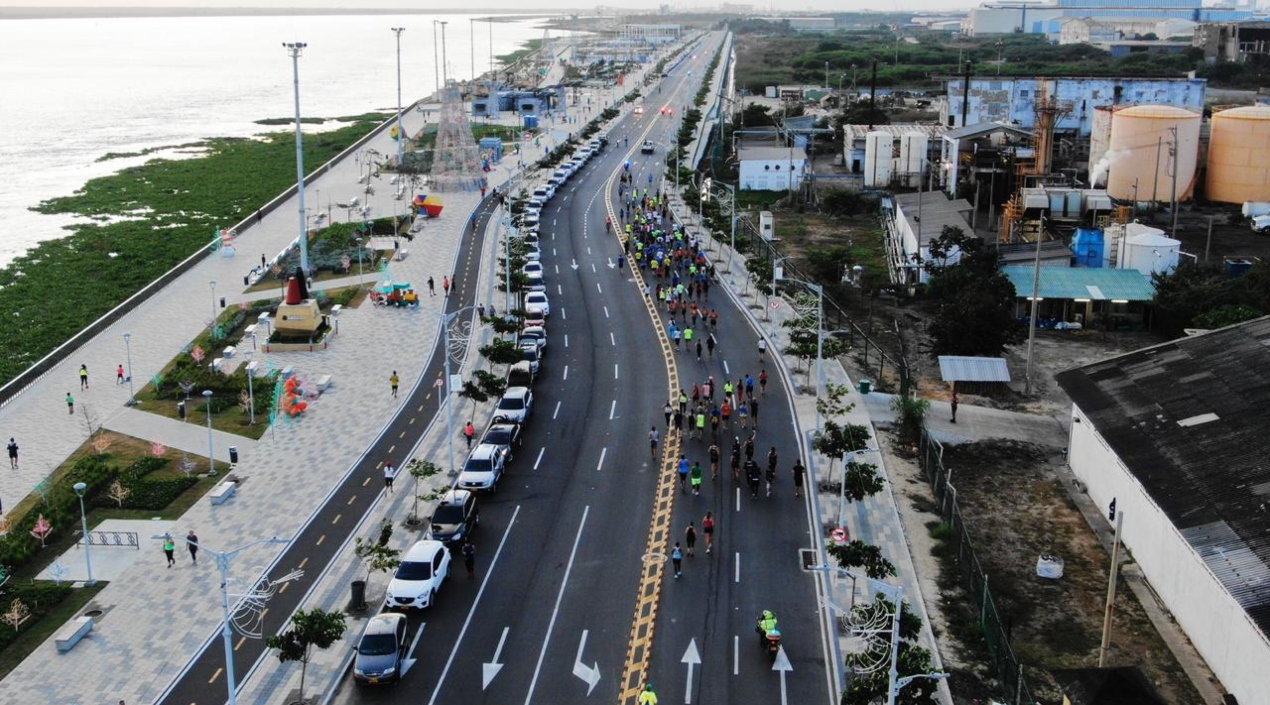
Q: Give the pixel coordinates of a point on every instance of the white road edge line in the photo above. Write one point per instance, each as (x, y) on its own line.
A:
(475, 603)
(566, 372)
(725, 368)
(615, 374)
(736, 655)
(606, 311)
(566, 340)
(612, 339)
(597, 285)
(738, 500)
(555, 611)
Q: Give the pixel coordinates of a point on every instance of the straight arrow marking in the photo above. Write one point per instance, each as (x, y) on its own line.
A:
(692, 657)
(783, 666)
(491, 669)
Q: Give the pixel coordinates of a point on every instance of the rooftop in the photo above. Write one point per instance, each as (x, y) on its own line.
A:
(985, 128)
(1093, 283)
(771, 154)
(858, 132)
(957, 368)
(936, 212)
(1188, 419)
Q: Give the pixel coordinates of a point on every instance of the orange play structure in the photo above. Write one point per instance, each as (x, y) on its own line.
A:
(292, 404)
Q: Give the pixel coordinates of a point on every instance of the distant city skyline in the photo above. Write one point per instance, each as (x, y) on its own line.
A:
(503, 6)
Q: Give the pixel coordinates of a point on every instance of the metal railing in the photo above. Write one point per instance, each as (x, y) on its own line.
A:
(122, 539)
(1002, 661)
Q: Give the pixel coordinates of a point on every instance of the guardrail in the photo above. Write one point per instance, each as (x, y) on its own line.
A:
(25, 379)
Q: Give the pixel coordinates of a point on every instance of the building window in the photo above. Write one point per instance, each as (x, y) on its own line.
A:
(1023, 94)
(778, 167)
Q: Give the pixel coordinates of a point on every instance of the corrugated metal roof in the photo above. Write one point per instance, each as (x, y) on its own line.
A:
(955, 368)
(1095, 283)
(1212, 480)
(985, 128)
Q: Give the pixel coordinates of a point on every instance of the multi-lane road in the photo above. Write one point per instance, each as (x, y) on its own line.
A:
(574, 547)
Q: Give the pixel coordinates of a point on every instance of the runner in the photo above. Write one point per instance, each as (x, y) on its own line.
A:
(652, 441)
(707, 527)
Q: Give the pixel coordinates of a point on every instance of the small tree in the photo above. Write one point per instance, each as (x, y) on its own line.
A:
(419, 470)
(377, 555)
(911, 414)
(16, 614)
(858, 554)
(118, 493)
(973, 298)
(501, 352)
(490, 383)
(316, 627)
(473, 391)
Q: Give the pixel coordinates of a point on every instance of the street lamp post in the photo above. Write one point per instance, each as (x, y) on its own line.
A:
(80, 489)
(211, 455)
(768, 314)
(294, 49)
(132, 396)
(251, 393)
(212, 325)
(401, 131)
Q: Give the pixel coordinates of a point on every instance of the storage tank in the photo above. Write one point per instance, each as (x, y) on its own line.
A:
(1142, 134)
(1149, 251)
(1239, 155)
(913, 147)
(879, 152)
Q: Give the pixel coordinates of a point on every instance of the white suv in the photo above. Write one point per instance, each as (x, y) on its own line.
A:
(423, 568)
(483, 468)
(515, 405)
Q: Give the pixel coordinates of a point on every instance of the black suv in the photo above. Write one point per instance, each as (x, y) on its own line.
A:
(505, 435)
(455, 518)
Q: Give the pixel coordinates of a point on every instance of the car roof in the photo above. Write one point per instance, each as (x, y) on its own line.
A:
(423, 549)
(455, 497)
(384, 623)
(518, 391)
(484, 451)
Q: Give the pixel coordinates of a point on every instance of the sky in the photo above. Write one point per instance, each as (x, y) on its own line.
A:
(510, 5)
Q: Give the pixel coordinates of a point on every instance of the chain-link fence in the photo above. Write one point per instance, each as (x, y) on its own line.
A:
(1002, 661)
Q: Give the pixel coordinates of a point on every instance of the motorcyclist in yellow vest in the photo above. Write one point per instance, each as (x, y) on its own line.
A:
(766, 623)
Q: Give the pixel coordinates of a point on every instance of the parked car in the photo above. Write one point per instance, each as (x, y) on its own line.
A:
(535, 318)
(381, 649)
(483, 469)
(538, 298)
(455, 518)
(533, 269)
(531, 353)
(504, 435)
(521, 374)
(515, 406)
(537, 335)
(639, 110)
(422, 571)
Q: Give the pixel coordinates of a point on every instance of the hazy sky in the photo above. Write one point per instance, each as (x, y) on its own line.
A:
(510, 5)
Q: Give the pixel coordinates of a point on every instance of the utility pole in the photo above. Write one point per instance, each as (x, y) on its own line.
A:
(1173, 153)
(1036, 295)
(1111, 593)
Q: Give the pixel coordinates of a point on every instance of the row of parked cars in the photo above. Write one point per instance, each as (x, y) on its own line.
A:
(426, 565)
(545, 192)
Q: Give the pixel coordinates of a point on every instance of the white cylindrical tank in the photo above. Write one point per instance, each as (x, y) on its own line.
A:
(879, 152)
(1141, 142)
(1239, 155)
(1149, 252)
(913, 146)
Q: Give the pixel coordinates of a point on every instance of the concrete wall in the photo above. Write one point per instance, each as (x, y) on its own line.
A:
(1233, 646)
(771, 174)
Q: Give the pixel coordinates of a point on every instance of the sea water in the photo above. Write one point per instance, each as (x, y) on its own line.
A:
(73, 90)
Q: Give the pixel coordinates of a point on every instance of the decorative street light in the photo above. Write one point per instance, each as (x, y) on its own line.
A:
(132, 396)
(251, 394)
(401, 132)
(294, 49)
(212, 325)
(211, 455)
(80, 489)
(447, 319)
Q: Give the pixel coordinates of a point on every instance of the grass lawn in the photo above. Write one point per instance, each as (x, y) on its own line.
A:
(29, 640)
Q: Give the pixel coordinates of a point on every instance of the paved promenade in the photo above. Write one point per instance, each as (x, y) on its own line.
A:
(155, 619)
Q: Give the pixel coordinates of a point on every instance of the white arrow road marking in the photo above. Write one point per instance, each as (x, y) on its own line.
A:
(555, 612)
(408, 662)
(611, 265)
(491, 669)
(589, 674)
(783, 666)
(574, 265)
(691, 657)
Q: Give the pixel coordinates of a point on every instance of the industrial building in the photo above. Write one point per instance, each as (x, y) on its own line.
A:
(1047, 17)
(771, 168)
(912, 221)
(1233, 41)
(1175, 436)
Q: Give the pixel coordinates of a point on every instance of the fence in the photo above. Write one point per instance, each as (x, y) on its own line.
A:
(1002, 661)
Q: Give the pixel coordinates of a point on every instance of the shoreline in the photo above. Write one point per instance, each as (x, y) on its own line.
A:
(48, 13)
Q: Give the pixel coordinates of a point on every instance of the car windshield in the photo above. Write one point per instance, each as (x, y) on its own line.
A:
(500, 435)
(414, 571)
(449, 514)
(511, 403)
(478, 465)
(377, 645)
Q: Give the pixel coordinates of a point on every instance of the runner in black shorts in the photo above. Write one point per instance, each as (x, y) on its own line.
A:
(652, 441)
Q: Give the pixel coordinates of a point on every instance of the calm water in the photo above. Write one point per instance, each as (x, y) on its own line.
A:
(72, 90)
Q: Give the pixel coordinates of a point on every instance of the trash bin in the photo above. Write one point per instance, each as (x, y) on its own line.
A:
(233, 455)
(359, 594)
(180, 409)
(222, 302)
(866, 386)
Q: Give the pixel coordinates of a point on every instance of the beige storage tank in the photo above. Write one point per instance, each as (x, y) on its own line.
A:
(1239, 155)
(1140, 166)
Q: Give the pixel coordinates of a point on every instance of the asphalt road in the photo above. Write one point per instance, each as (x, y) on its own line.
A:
(562, 543)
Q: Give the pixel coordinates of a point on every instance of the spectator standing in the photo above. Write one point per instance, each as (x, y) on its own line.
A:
(13, 454)
(191, 542)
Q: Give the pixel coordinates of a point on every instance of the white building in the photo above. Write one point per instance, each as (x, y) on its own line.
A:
(1175, 434)
(913, 220)
(1013, 100)
(771, 168)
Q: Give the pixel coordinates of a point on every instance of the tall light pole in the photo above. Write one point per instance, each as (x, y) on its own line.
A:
(471, 38)
(251, 393)
(80, 489)
(212, 325)
(294, 49)
(211, 455)
(401, 131)
(445, 74)
(436, 58)
(132, 396)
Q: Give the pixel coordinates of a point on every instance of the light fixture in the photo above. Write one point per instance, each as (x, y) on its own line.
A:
(1081, 301)
(1119, 301)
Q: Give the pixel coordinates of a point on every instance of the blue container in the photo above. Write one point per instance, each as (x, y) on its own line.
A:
(531, 122)
(1088, 244)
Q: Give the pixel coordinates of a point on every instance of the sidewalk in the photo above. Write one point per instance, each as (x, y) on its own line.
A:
(155, 619)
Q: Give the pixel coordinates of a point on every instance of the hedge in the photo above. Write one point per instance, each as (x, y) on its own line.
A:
(39, 598)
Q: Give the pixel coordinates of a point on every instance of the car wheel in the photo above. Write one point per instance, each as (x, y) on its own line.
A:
(432, 599)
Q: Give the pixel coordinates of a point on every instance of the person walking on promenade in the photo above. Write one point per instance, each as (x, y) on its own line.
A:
(191, 542)
(445, 285)
(799, 473)
(469, 558)
(390, 474)
(469, 432)
(169, 548)
(707, 527)
(13, 454)
(394, 380)
(677, 558)
(119, 378)
(70, 403)
(432, 287)
(690, 540)
(83, 376)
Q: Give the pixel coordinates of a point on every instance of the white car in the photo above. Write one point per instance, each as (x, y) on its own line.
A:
(539, 299)
(515, 405)
(483, 468)
(530, 221)
(533, 270)
(533, 253)
(423, 568)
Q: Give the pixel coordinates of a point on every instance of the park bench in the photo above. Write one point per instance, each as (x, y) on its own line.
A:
(229, 351)
(323, 382)
(222, 492)
(335, 310)
(72, 632)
